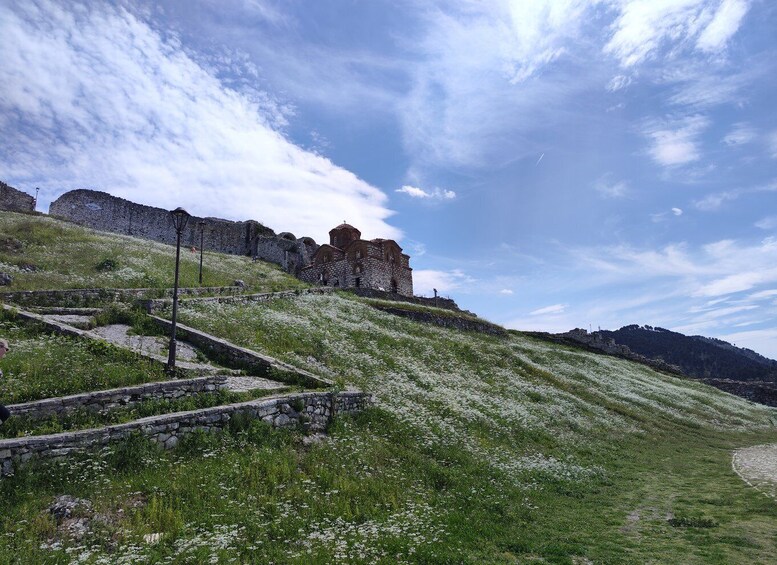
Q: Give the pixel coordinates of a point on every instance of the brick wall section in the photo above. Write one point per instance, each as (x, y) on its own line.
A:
(241, 358)
(15, 200)
(317, 411)
(104, 400)
(101, 211)
(80, 297)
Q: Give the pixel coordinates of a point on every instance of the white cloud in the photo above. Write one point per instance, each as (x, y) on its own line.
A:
(506, 291)
(549, 310)
(646, 28)
(741, 134)
(768, 223)
(675, 142)
(435, 194)
(618, 82)
(426, 280)
(101, 100)
(677, 211)
(723, 26)
(609, 188)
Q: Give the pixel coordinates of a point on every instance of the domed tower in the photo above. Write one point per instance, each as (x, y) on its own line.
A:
(342, 235)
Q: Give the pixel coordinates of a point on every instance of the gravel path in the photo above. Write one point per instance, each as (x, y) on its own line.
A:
(757, 466)
(153, 345)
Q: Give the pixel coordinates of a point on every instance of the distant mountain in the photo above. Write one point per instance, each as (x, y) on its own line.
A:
(697, 356)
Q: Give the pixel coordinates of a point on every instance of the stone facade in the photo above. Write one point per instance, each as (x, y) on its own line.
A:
(351, 262)
(101, 211)
(15, 200)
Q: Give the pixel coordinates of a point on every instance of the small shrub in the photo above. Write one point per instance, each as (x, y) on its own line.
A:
(692, 522)
(107, 265)
(133, 453)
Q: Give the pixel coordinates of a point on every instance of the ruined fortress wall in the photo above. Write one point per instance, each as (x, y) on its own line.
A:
(101, 211)
(15, 200)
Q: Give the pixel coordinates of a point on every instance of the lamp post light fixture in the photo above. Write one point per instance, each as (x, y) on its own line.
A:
(179, 217)
(201, 223)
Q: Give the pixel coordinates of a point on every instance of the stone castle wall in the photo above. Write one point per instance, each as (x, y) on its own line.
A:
(101, 211)
(15, 200)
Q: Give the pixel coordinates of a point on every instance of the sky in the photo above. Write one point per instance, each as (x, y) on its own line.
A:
(549, 164)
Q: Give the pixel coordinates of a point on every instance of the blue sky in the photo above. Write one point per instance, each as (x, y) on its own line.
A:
(548, 164)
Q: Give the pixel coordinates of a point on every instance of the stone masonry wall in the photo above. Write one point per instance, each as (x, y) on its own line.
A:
(101, 211)
(105, 400)
(159, 304)
(98, 296)
(455, 322)
(15, 200)
(242, 358)
(311, 411)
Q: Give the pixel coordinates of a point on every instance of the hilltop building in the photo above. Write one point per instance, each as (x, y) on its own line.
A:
(351, 262)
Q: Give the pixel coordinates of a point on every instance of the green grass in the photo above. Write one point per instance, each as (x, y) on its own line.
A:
(374, 493)
(84, 419)
(32, 250)
(42, 365)
(481, 449)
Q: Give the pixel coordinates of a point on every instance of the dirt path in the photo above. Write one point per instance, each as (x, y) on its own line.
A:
(757, 466)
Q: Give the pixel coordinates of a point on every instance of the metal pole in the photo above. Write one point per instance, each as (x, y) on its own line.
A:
(202, 249)
(171, 356)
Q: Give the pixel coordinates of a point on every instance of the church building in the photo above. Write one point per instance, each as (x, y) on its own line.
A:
(351, 262)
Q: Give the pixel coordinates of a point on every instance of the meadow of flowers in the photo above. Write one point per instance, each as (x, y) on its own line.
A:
(480, 449)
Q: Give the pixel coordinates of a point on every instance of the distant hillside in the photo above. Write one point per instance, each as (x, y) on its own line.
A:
(697, 356)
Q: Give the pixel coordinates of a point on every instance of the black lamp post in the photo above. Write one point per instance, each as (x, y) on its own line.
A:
(180, 217)
(201, 223)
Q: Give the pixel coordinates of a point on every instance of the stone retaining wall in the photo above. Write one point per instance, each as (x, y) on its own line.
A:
(458, 323)
(241, 358)
(309, 411)
(439, 302)
(83, 297)
(104, 400)
(158, 304)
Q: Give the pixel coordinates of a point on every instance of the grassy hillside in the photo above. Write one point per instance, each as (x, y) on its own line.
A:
(480, 449)
(43, 253)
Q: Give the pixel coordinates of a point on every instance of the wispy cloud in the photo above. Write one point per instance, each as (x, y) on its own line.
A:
(768, 223)
(715, 200)
(434, 194)
(646, 28)
(723, 26)
(675, 142)
(741, 134)
(549, 310)
(618, 82)
(608, 187)
(506, 292)
(426, 280)
(96, 97)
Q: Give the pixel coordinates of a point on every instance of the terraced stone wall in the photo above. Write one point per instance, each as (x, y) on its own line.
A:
(311, 411)
(80, 297)
(105, 400)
